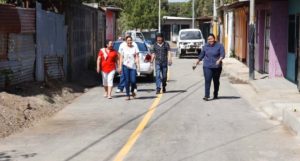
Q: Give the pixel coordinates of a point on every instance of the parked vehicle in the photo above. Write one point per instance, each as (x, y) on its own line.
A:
(150, 38)
(146, 69)
(136, 35)
(189, 42)
(139, 36)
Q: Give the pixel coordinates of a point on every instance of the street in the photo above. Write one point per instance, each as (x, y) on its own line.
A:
(182, 127)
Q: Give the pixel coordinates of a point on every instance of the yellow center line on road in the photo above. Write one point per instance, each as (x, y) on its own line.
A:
(139, 130)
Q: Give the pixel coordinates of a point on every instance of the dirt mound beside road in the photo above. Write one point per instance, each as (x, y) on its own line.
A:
(23, 105)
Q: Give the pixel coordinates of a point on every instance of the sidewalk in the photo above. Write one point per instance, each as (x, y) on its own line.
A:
(278, 98)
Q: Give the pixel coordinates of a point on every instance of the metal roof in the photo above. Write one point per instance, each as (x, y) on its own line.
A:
(111, 8)
(234, 5)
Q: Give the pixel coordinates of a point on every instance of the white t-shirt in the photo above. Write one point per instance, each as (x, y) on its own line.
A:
(123, 44)
(129, 55)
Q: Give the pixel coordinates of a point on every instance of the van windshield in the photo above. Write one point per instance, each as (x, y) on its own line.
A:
(190, 35)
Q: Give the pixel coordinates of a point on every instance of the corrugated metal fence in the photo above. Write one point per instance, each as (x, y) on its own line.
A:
(86, 34)
(18, 64)
(16, 20)
(51, 43)
(36, 44)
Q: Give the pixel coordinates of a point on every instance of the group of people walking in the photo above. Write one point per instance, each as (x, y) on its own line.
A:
(125, 61)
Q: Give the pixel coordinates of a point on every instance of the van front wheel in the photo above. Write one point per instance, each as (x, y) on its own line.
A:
(182, 53)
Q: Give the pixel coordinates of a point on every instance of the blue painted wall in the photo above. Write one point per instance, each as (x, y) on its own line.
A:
(290, 75)
(294, 6)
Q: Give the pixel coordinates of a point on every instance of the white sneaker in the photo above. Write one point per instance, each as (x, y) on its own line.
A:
(135, 91)
(118, 91)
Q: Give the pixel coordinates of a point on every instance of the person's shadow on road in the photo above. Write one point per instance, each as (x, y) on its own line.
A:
(229, 97)
(176, 91)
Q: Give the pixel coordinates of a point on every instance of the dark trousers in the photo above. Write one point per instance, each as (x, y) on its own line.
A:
(209, 75)
(130, 79)
(161, 71)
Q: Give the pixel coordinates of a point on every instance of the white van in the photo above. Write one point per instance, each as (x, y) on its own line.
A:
(190, 42)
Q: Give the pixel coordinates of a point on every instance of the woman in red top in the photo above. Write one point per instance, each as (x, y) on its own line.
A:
(106, 63)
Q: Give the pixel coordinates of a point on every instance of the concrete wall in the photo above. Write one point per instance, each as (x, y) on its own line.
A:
(279, 37)
(229, 33)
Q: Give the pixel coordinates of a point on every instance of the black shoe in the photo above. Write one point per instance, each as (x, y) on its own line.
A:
(206, 98)
(133, 94)
(158, 91)
(215, 97)
(164, 90)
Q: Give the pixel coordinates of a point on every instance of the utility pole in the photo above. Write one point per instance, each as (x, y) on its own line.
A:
(193, 9)
(159, 8)
(252, 40)
(215, 28)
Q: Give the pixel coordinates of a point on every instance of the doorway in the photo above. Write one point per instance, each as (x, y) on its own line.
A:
(297, 66)
(267, 42)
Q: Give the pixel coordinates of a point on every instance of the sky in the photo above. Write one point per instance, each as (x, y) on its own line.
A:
(177, 0)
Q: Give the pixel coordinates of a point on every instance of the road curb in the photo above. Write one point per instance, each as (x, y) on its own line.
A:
(285, 110)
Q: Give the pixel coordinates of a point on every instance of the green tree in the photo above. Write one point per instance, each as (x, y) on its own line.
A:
(204, 8)
(139, 14)
(143, 14)
(180, 9)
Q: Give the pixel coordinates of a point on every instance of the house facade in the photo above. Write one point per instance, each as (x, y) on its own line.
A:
(293, 61)
(271, 37)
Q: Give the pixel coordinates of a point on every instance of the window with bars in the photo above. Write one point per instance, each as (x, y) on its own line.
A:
(3, 46)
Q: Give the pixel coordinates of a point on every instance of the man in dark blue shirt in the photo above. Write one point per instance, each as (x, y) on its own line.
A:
(162, 57)
(212, 55)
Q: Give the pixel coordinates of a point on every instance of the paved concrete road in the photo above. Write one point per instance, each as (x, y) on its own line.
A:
(182, 128)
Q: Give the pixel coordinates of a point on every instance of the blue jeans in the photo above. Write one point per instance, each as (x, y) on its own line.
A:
(121, 85)
(161, 71)
(130, 79)
(209, 75)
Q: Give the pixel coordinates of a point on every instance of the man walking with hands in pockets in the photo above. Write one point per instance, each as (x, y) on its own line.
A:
(163, 58)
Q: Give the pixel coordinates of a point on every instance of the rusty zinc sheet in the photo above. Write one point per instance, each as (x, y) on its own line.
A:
(21, 58)
(16, 20)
